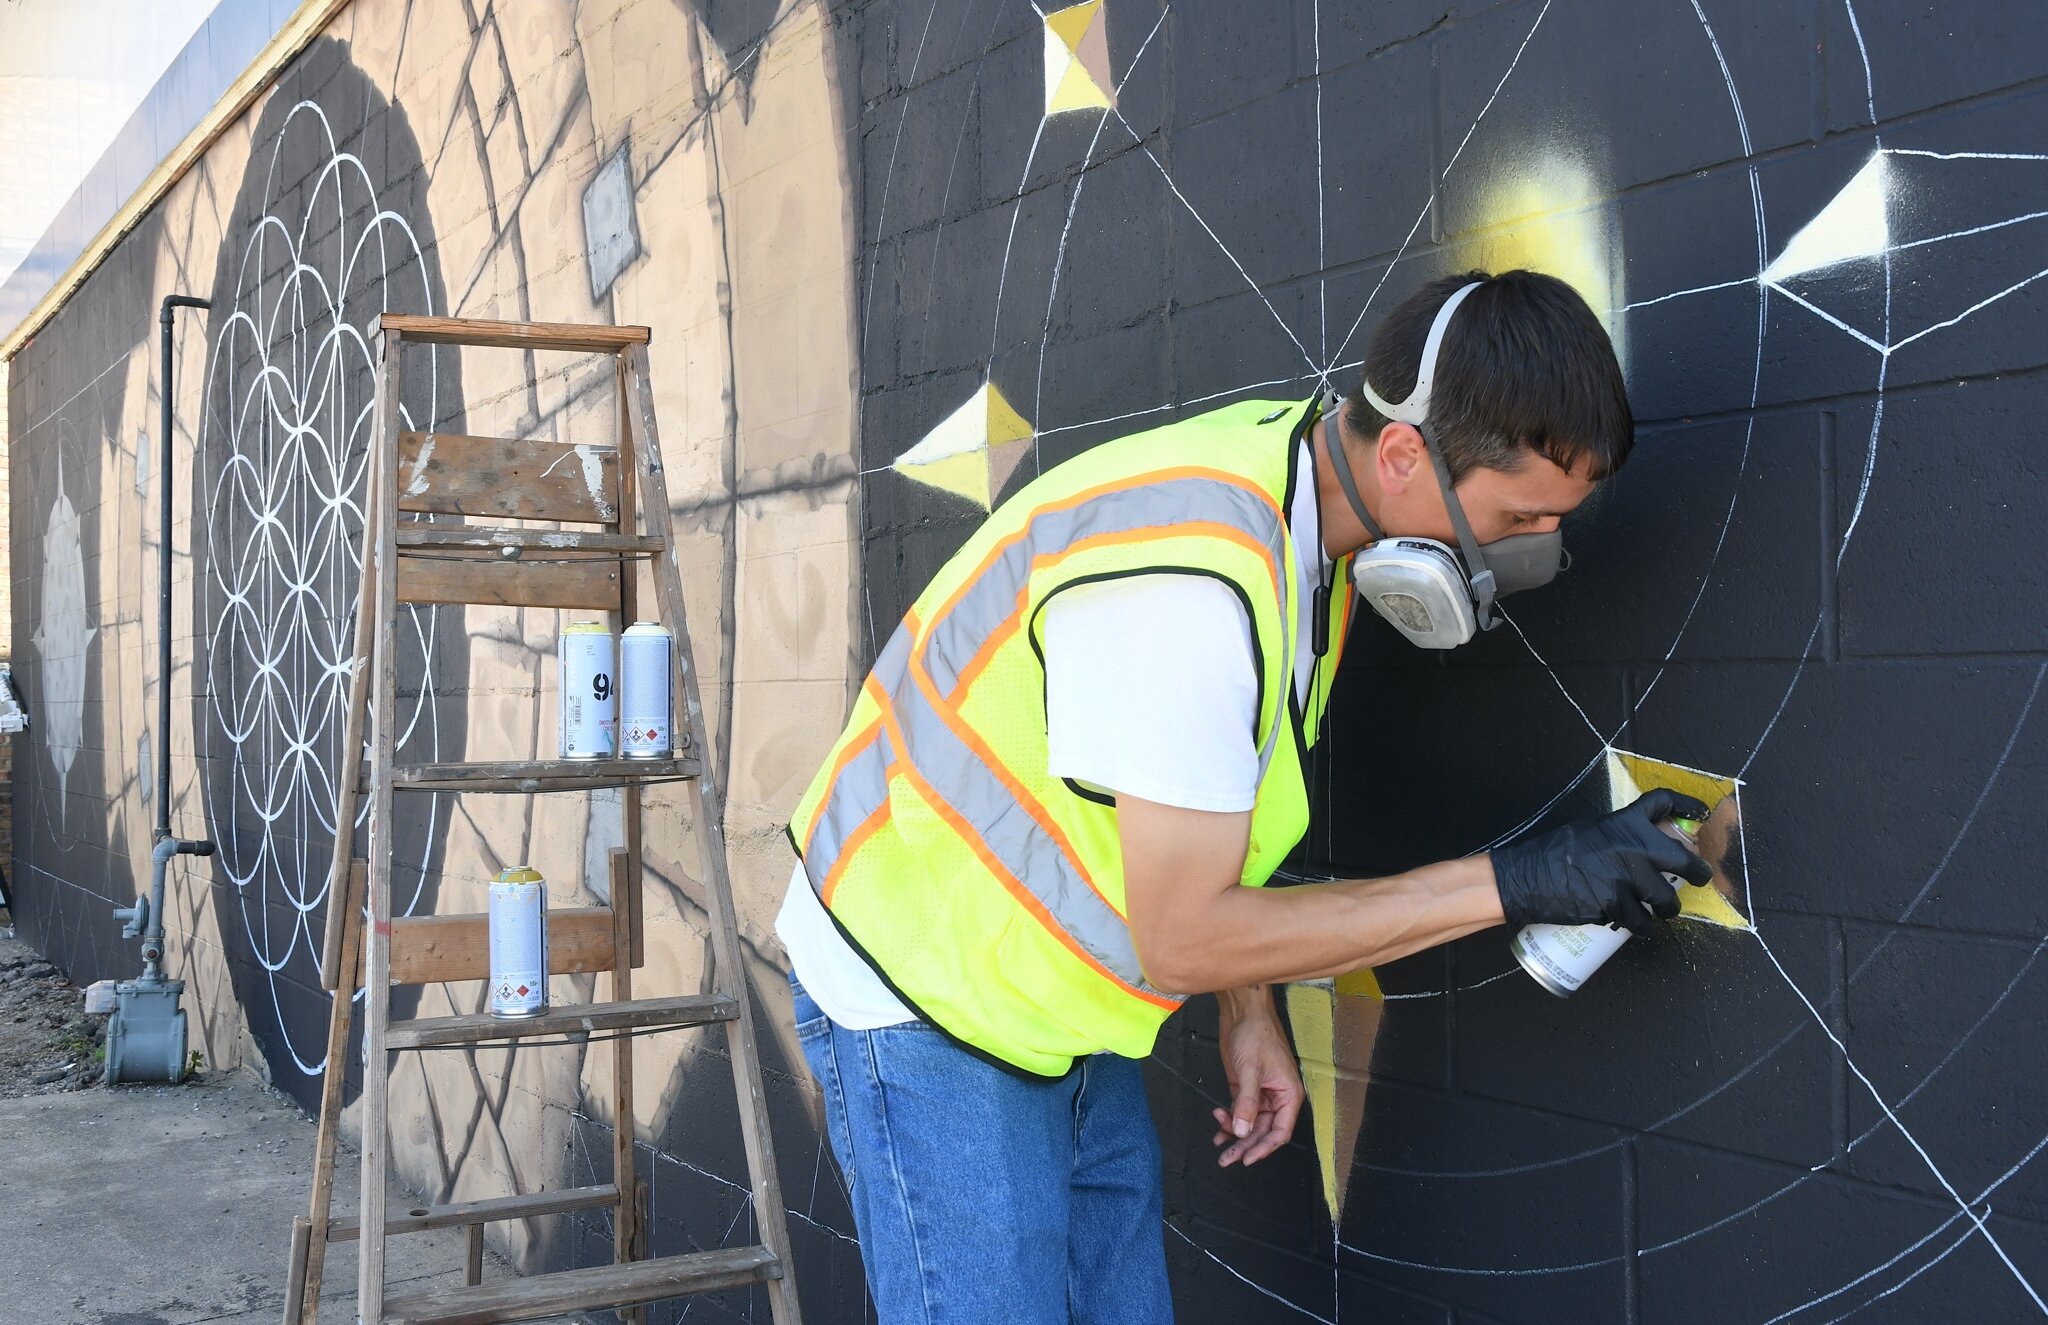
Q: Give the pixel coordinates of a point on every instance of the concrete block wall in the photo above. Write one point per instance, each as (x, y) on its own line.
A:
(843, 220)
(1812, 574)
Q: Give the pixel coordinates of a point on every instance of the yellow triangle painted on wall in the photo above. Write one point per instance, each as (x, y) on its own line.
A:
(1071, 24)
(1309, 1014)
(1004, 423)
(1359, 984)
(1077, 91)
(965, 475)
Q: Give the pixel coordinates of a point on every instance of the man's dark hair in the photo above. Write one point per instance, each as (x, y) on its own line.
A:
(1524, 366)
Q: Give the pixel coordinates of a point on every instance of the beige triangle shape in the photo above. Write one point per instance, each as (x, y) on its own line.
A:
(1355, 1030)
(1092, 54)
(1003, 460)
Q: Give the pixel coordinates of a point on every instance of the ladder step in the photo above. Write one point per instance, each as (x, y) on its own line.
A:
(440, 949)
(533, 775)
(507, 542)
(578, 337)
(521, 478)
(599, 1286)
(575, 1019)
(490, 1210)
(588, 585)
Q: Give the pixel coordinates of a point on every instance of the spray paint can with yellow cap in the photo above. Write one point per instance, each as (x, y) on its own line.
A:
(589, 691)
(1562, 958)
(519, 943)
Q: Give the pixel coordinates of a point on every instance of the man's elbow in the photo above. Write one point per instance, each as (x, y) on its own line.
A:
(1177, 964)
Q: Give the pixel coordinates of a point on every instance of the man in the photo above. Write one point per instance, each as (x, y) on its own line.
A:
(1081, 755)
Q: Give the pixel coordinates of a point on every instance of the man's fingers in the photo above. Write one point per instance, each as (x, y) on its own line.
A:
(1280, 1130)
(1672, 856)
(1254, 1146)
(1629, 912)
(1244, 1109)
(1661, 803)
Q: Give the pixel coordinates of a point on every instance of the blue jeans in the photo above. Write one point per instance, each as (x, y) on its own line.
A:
(982, 1197)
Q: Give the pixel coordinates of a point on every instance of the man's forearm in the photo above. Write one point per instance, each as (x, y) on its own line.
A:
(1256, 936)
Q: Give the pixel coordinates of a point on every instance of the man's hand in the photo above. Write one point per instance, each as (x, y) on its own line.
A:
(1265, 1086)
(1608, 870)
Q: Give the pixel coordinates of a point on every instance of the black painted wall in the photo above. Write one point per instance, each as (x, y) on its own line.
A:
(1816, 572)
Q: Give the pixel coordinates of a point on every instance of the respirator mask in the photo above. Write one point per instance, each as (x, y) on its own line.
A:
(1429, 592)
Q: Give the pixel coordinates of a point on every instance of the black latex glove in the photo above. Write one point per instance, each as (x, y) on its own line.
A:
(1608, 870)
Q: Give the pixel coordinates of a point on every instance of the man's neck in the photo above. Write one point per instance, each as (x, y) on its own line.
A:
(1342, 532)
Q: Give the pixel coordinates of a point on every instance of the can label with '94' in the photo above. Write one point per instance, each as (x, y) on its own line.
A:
(590, 693)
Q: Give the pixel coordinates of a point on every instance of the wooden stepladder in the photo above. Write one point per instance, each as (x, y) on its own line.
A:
(606, 510)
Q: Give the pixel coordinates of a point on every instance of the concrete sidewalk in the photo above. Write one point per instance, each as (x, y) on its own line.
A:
(172, 1205)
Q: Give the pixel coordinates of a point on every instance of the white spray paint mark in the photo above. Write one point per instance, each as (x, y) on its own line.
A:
(62, 637)
(593, 479)
(417, 483)
(1852, 225)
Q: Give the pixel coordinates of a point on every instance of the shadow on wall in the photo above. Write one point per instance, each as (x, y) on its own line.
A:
(330, 228)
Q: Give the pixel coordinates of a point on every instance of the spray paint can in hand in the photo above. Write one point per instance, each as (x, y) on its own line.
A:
(590, 694)
(1562, 958)
(646, 710)
(519, 943)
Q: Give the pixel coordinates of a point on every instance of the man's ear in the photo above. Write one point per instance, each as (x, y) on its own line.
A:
(1401, 457)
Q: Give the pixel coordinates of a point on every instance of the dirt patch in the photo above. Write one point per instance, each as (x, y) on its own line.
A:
(48, 1043)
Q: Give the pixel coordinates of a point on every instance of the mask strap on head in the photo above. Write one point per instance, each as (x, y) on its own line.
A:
(1414, 411)
(1341, 463)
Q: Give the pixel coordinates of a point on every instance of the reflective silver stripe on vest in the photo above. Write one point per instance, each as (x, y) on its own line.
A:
(973, 790)
(862, 786)
(954, 639)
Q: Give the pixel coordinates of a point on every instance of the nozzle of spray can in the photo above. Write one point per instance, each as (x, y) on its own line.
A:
(1562, 958)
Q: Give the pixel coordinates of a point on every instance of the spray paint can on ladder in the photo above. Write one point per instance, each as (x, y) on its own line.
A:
(589, 691)
(519, 943)
(1562, 958)
(646, 708)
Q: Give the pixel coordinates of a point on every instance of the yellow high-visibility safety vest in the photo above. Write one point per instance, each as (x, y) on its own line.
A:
(988, 894)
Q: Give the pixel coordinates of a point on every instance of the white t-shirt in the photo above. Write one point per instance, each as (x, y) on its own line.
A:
(1130, 665)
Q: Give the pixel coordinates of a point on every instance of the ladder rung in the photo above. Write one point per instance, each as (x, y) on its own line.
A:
(584, 337)
(518, 478)
(444, 948)
(490, 1210)
(564, 1291)
(675, 1010)
(487, 541)
(590, 585)
(533, 775)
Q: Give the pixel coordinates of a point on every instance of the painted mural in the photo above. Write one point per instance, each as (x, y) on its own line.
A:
(899, 257)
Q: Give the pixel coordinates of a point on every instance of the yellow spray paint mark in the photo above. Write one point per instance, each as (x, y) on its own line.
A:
(1335, 1025)
(1548, 218)
(1718, 840)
